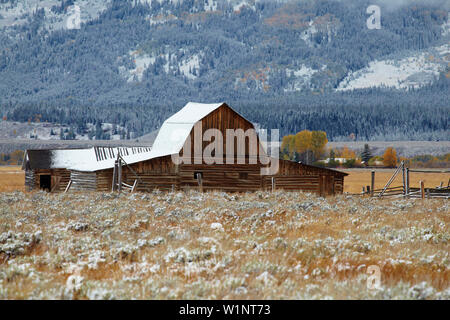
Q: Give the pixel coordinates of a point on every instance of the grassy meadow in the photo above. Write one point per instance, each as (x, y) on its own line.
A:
(12, 178)
(216, 245)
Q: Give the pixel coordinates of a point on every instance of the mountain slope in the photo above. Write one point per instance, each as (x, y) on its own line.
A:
(136, 57)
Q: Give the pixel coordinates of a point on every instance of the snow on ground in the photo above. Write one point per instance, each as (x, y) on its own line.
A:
(282, 245)
(302, 78)
(142, 62)
(446, 26)
(160, 19)
(210, 5)
(49, 131)
(190, 64)
(18, 12)
(414, 71)
(322, 24)
(240, 5)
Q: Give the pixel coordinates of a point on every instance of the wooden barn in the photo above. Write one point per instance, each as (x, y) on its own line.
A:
(182, 157)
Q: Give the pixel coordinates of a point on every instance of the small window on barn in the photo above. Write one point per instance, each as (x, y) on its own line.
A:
(198, 173)
(243, 175)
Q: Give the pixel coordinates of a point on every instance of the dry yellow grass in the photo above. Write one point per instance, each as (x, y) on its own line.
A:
(358, 178)
(12, 178)
(215, 245)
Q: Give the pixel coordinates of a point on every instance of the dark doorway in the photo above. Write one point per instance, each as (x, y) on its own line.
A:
(45, 182)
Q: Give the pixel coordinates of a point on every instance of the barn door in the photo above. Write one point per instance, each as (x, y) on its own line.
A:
(45, 182)
(55, 182)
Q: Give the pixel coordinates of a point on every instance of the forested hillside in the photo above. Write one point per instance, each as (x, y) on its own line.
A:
(290, 65)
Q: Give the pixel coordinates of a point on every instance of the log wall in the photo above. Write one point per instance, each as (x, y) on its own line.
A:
(59, 179)
(158, 173)
(83, 181)
(30, 182)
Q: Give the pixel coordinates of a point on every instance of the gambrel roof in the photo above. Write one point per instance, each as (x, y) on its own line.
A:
(176, 129)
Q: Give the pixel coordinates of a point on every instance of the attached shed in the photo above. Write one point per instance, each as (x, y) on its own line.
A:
(52, 170)
(156, 167)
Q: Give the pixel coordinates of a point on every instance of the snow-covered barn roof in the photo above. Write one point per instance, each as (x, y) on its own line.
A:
(170, 140)
(89, 159)
(175, 130)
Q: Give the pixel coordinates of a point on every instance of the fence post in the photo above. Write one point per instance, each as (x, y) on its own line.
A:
(372, 183)
(200, 182)
(114, 177)
(273, 184)
(404, 178)
(422, 189)
(407, 182)
(119, 175)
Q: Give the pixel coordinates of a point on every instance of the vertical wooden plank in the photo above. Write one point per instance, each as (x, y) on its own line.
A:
(200, 182)
(422, 189)
(404, 178)
(407, 181)
(119, 175)
(372, 183)
(113, 187)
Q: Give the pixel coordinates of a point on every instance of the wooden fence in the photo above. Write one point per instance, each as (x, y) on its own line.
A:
(405, 190)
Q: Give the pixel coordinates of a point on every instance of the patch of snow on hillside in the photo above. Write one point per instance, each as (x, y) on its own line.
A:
(141, 62)
(17, 13)
(190, 66)
(325, 24)
(210, 5)
(414, 71)
(446, 26)
(239, 6)
(302, 78)
(161, 19)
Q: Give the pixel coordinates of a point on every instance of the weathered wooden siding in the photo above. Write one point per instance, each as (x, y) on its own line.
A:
(159, 173)
(83, 181)
(235, 178)
(296, 176)
(30, 182)
(222, 119)
(59, 179)
(339, 184)
(104, 180)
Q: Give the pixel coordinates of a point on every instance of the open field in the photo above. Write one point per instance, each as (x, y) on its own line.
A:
(12, 178)
(221, 246)
(358, 178)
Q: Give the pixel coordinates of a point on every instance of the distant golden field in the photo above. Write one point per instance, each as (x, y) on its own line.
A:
(12, 178)
(358, 178)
